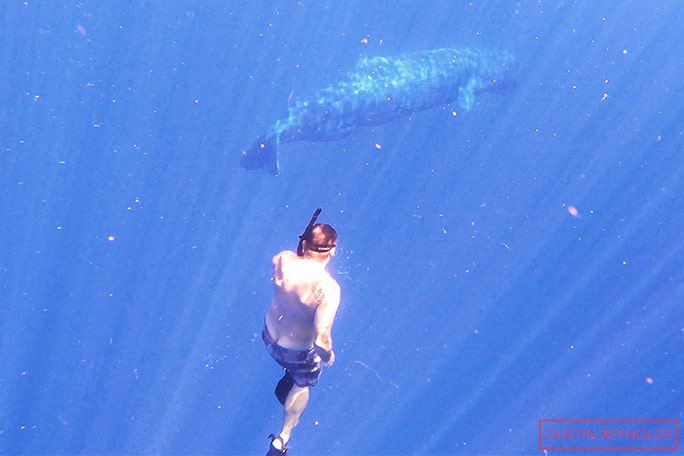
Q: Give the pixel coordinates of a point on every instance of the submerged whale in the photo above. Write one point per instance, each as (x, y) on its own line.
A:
(381, 89)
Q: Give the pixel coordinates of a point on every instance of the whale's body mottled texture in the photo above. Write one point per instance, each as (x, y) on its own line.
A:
(381, 89)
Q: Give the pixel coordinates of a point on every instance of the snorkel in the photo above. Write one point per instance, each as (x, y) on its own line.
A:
(307, 232)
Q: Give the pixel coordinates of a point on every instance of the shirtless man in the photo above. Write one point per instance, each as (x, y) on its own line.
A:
(299, 321)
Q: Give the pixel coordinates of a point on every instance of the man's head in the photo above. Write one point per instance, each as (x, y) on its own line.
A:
(319, 242)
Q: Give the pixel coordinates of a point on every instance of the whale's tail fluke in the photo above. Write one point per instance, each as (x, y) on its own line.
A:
(262, 154)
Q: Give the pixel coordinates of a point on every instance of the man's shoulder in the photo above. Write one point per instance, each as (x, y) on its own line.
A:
(285, 255)
(331, 284)
(332, 280)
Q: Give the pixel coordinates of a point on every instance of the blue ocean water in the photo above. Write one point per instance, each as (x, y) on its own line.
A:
(518, 262)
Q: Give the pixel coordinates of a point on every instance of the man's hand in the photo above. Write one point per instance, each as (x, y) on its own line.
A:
(330, 361)
(326, 358)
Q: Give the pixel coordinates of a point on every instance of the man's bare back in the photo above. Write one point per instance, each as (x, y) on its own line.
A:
(305, 300)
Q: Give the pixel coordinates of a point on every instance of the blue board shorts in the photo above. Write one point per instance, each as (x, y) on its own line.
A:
(304, 366)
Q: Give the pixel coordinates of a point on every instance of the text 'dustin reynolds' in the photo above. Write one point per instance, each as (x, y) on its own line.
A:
(608, 434)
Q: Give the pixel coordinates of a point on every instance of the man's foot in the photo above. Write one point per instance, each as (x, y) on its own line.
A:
(277, 447)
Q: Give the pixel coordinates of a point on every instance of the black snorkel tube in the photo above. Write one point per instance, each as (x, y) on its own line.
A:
(307, 232)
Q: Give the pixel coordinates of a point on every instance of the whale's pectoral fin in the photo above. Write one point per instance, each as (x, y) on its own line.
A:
(262, 154)
(466, 95)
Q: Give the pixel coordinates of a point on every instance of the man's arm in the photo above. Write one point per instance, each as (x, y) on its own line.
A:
(325, 316)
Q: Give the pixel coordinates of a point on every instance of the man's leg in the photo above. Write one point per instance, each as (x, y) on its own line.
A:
(295, 403)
